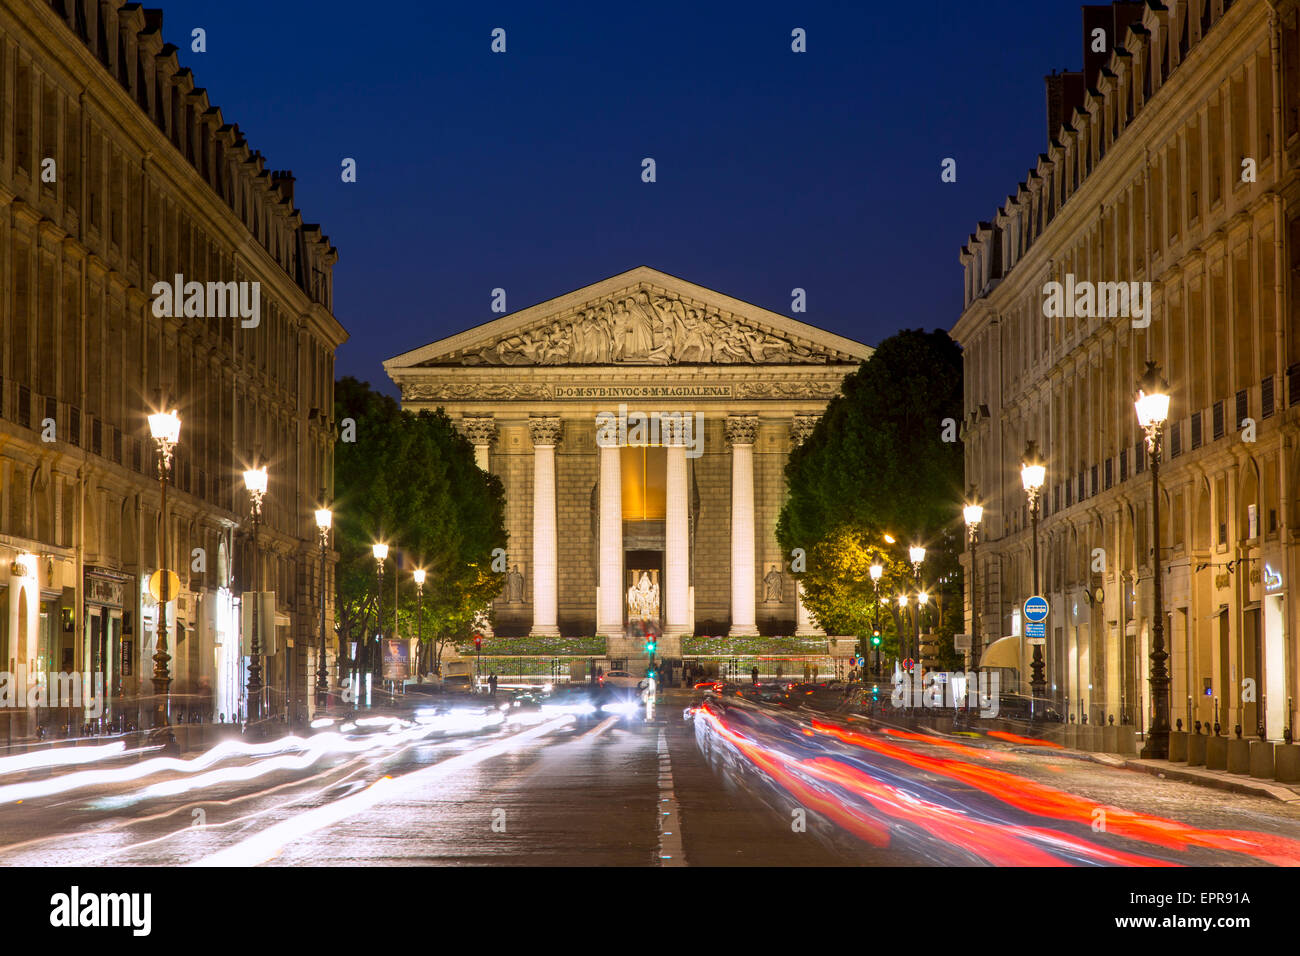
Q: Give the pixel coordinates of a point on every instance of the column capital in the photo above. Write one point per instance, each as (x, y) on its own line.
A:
(801, 426)
(544, 431)
(674, 430)
(742, 429)
(480, 431)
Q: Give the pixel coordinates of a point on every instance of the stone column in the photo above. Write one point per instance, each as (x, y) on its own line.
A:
(741, 432)
(677, 611)
(801, 426)
(804, 626)
(609, 608)
(545, 433)
(481, 432)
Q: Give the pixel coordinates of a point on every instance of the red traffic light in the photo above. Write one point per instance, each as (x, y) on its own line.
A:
(478, 640)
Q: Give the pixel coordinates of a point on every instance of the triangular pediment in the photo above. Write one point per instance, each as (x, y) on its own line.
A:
(642, 317)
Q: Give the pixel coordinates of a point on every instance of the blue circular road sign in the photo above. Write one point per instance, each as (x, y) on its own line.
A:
(1036, 609)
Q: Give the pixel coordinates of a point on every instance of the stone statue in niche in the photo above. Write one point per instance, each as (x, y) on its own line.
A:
(774, 592)
(514, 586)
(643, 599)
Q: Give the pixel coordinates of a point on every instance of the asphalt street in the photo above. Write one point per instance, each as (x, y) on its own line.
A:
(730, 785)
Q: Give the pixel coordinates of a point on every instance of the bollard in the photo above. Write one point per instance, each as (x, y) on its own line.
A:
(1110, 738)
(1196, 750)
(1178, 745)
(1286, 763)
(1216, 753)
(1126, 740)
(1261, 759)
(1238, 756)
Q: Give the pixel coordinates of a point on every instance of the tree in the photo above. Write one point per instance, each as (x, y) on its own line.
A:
(411, 481)
(884, 458)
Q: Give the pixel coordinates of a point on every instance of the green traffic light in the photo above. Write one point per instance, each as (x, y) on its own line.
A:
(650, 647)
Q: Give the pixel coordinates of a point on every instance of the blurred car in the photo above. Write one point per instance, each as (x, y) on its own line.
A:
(622, 679)
(1017, 707)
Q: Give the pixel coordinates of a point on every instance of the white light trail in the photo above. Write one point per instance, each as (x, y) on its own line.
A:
(267, 844)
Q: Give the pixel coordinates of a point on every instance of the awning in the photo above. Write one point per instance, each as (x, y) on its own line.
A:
(1004, 652)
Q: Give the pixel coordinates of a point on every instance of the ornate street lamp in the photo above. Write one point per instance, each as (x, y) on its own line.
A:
(255, 481)
(877, 571)
(974, 514)
(1033, 473)
(1152, 404)
(165, 427)
(324, 518)
(418, 574)
(380, 551)
(917, 554)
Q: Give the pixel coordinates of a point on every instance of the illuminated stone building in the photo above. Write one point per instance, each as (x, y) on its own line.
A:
(117, 173)
(1171, 160)
(676, 522)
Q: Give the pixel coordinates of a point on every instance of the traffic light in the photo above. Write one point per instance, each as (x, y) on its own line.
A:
(875, 638)
(650, 647)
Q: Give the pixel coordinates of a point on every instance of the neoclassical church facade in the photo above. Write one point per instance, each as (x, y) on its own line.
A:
(640, 427)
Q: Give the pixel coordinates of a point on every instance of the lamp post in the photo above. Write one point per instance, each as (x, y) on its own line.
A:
(1152, 404)
(324, 518)
(380, 551)
(974, 514)
(922, 602)
(255, 481)
(877, 570)
(418, 574)
(903, 609)
(917, 554)
(166, 430)
(1032, 475)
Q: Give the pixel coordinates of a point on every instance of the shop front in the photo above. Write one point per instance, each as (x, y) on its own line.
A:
(108, 650)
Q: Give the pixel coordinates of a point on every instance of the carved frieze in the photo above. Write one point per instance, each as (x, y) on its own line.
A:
(643, 327)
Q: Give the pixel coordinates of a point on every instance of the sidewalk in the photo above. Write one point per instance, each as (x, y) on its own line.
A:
(1218, 779)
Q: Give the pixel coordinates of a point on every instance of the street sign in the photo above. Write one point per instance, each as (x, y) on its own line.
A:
(173, 585)
(1036, 608)
(961, 642)
(1035, 632)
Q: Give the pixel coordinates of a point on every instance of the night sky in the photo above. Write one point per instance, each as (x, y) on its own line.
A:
(523, 170)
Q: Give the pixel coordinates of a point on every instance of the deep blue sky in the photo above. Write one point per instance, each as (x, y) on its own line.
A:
(522, 170)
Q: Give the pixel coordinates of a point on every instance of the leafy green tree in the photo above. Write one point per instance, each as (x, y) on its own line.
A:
(411, 481)
(884, 458)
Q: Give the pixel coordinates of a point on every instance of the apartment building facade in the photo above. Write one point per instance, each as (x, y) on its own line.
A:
(116, 174)
(1171, 168)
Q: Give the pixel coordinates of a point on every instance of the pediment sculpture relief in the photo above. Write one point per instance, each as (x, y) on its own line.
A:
(641, 328)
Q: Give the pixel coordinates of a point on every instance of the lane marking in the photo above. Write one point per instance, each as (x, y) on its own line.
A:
(671, 852)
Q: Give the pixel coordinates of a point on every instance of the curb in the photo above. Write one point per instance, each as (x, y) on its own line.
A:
(1248, 786)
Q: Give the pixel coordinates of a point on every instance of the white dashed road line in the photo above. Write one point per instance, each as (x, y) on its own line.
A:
(670, 827)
